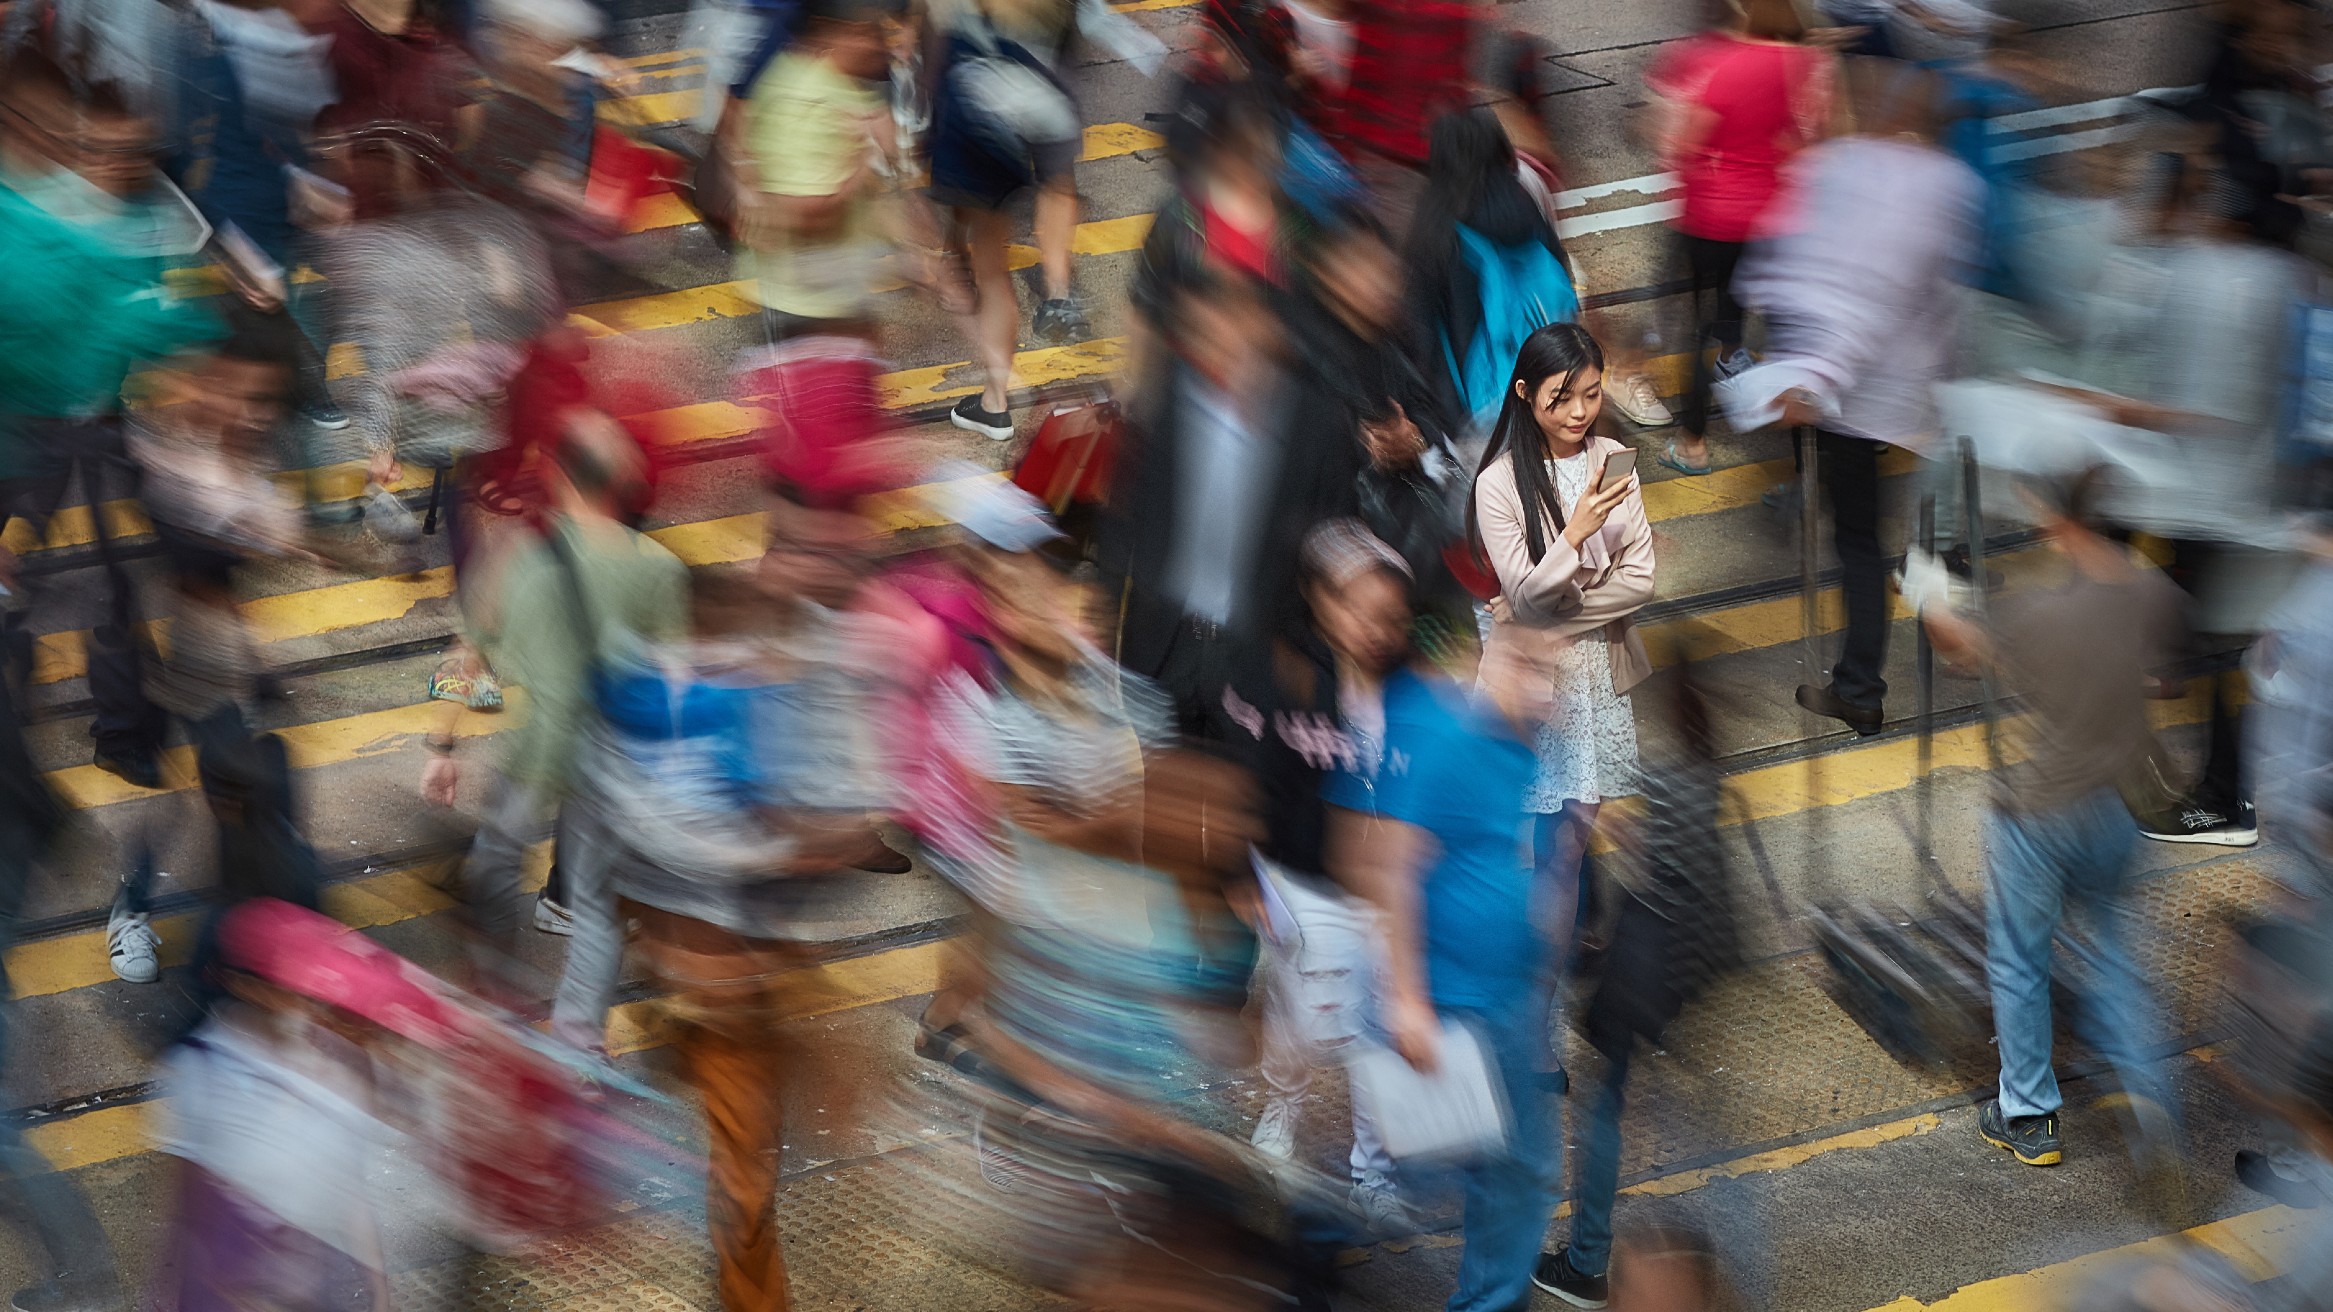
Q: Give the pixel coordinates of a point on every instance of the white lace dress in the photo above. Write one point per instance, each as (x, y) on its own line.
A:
(1587, 749)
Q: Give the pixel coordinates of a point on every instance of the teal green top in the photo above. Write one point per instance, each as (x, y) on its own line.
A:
(82, 302)
(637, 590)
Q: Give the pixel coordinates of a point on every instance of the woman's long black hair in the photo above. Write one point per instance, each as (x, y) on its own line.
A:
(1557, 350)
(1470, 180)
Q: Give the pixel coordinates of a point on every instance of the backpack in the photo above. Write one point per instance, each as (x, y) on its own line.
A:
(1523, 288)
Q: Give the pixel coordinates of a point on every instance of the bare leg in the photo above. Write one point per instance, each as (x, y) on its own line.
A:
(995, 325)
(1056, 225)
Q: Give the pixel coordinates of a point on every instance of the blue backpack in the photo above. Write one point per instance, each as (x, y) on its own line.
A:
(1523, 288)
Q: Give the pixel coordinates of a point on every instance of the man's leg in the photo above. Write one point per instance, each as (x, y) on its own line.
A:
(1596, 1179)
(725, 991)
(2119, 1019)
(2021, 922)
(1511, 1197)
(517, 816)
(595, 949)
(1850, 473)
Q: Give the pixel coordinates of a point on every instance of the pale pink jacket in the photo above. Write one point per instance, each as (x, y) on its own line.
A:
(1564, 596)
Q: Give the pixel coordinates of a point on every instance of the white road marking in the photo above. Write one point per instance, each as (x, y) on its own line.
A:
(1660, 184)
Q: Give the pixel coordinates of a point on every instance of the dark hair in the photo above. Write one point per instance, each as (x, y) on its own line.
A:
(1559, 350)
(1470, 182)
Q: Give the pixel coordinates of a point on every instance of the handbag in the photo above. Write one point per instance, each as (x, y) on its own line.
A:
(1069, 461)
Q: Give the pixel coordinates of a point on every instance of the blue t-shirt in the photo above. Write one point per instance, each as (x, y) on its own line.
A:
(1456, 770)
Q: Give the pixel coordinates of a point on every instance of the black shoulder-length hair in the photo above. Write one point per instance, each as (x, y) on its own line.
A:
(1559, 350)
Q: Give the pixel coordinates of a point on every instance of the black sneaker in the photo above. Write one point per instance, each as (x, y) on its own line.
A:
(1061, 321)
(1864, 720)
(1556, 1274)
(995, 425)
(2034, 1139)
(2195, 822)
(327, 416)
(141, 767)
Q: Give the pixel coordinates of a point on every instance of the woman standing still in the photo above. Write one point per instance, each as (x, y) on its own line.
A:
(1735, 103)
(1573, 553)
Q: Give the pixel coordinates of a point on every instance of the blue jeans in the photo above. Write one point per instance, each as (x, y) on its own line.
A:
(1596, 1170)
(2072, 862)
(1509, 1197)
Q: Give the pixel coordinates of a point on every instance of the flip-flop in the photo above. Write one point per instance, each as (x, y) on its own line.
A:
(1669, 459)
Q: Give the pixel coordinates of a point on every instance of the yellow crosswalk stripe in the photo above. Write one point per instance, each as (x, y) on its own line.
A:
(2260, 1244)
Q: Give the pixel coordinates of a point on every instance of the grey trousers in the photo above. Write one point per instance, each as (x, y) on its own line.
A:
(517, 816)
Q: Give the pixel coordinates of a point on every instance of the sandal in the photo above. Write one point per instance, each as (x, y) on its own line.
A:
(482, 692)
(1669, 459)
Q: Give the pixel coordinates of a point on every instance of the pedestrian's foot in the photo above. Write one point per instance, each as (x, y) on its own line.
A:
(1556, 1274)
(1380, 1204)
(139, 766)
(883, 859)
(2198, 822)
(1636, 397)
(551, 918)
(133, 946)
(1865, 720)
(1735, 361)
(1685, 462)
(1061, 320)
(1781, 498)
(479, 691)
(2257, 1172)
(995, 425)
(326, 416)
(2033, 1139)
(1275, 1135)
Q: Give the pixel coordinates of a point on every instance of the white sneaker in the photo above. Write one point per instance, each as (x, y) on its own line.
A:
(136, 950)
(1275, 1135)
(1379, 1202)
(1636, 397)
(551, 918)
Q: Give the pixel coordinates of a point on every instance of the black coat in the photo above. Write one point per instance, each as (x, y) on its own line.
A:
(1317, 454)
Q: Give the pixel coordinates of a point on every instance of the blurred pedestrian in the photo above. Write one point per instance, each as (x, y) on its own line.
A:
(1233, 456)
(1675, 935)
(1410, 64)
(1573, 557)
(1436, 840)
(587, 593)
(1485, 269)
(269, 1113)
(1323, 711)
(2079, 652)
(248, 82)
(1731, 107)
(1862, 300)
(212, 499)
(811, 151)
(691, 825)
(1003, 122)
(84, 304)
(75, 1263)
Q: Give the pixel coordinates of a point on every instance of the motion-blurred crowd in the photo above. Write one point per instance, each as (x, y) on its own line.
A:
(1263, 715)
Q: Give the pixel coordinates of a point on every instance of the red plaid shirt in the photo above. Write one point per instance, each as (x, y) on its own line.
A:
(1409, 67)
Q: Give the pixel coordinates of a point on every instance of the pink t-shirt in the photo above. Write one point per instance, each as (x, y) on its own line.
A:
(1766, 101)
